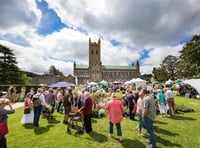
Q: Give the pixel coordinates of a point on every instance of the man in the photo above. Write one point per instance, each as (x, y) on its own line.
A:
(170, 101)
(149, 113)
(67, 103)
(50, 100)
(38, 100)
(131, 103)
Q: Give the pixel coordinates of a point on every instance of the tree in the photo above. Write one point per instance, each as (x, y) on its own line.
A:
(54, 71)
(190, 59)
(9, 72)
(159, 74)
(170, 66)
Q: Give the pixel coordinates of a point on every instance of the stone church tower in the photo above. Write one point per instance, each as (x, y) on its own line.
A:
(95, 64)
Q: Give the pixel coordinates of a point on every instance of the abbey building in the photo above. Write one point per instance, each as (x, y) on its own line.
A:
(95, 71)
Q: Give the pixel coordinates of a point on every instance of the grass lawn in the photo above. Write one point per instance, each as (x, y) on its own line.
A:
(180, 131)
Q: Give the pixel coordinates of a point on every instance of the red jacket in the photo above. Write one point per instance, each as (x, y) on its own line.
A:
(115, 110)
(87, 106)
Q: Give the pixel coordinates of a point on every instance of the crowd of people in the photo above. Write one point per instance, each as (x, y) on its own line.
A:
(139, 103)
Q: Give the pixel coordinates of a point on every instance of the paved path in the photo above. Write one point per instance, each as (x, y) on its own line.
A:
(16, 105)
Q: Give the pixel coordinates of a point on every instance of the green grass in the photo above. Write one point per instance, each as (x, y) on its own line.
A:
(180, 131)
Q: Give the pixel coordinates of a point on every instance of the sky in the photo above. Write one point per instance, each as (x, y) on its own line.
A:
(42, 33)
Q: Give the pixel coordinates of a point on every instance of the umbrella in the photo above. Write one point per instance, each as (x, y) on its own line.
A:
(62, 84)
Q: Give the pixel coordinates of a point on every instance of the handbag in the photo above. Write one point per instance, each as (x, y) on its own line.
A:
(3, 128)
(27, 110)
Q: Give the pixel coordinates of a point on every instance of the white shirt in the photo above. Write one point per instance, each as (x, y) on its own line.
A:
(169, 94)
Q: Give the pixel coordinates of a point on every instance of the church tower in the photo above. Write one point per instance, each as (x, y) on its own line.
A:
(95, 65)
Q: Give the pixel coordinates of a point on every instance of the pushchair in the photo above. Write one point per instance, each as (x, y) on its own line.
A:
(76, 122)
(46, 112)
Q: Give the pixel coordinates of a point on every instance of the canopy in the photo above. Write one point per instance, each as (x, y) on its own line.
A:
(92, 83)
(156, 82)
(178, 81)
(169, 82)
(103, 84)
(195, 83)
(62, 84)
(138, 82)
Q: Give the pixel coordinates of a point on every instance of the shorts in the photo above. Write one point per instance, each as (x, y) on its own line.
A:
(67, 110)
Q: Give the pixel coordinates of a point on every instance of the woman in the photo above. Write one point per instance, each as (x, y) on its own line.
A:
(139, 112)
(115, 111)
(3, 118)
(28, 118)
(87, 112)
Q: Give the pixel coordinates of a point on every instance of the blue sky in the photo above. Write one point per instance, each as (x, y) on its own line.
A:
(44, 33)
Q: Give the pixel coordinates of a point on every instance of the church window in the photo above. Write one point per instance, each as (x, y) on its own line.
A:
(96, 51)
(92, 52)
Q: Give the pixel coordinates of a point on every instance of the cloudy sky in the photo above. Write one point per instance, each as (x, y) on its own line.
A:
(42, 33)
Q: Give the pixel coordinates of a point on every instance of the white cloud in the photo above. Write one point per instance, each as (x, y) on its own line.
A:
(137, 25)
(157, 55)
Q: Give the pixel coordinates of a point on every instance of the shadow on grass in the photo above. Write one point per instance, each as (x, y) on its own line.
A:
(28, 126)
(182, 118)
(53, 121)
(129, 143)
(159, 122)
(167, 143)
(98, 137)
(41, 130)
(164, 131)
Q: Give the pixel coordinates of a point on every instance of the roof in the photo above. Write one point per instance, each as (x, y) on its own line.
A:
(82, 66)
(109, 67)
(118, 67)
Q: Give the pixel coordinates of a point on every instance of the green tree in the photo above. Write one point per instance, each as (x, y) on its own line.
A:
(9, 72)
(54, 71)
(190, 58)
(159, 74)
(170, 66)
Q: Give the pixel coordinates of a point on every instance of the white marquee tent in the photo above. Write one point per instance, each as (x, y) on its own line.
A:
(138, 82)
(195, 83)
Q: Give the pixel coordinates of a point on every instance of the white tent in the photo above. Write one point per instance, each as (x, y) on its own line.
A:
(195, 83)
(138, 82)
(169, 82)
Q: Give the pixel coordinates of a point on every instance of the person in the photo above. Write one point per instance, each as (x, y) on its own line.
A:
(161, 103)
(81, 99)
(50, 100)
(115, 112)
(139, 112)
(87, 112)
(67, 104)
(3, 117)
(28, 118)
(131, 103)
(38, 101)
(59, 99)
(170, 101)
(149, 113)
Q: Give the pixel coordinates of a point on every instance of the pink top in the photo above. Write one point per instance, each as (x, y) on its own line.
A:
(115, 110)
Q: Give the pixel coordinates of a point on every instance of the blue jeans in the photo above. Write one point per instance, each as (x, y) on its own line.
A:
(118, 126)
(140, 122)
(37, 112)
(3, 143)
(148, 123)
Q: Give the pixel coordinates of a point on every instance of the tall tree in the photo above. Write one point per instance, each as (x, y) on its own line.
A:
(190, 59)
(54, 71)
(170, 66)
(159, 74)
(9, 72)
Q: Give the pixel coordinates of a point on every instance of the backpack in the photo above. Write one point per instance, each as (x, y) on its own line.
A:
(36, 100)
